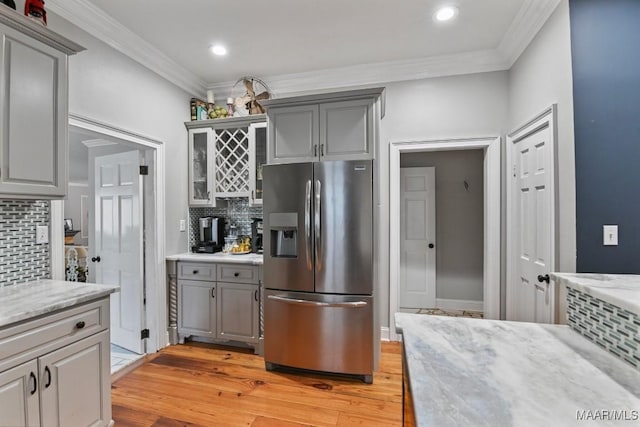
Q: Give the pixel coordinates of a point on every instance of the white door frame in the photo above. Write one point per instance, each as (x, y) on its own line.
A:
(548, 118)
(156, 290)
(492, 217)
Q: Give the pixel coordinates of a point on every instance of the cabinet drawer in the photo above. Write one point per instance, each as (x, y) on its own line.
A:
(36, 337)
(197, 271)
(235, 273)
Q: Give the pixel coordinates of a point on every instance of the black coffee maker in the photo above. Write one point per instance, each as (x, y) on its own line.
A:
(211, 235)
(256, 235)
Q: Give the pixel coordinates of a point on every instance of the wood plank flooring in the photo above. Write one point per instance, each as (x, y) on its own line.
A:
(206, 385)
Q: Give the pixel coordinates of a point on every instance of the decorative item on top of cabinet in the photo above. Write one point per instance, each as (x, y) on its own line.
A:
(33, 72)
(249, 103)
(330, 126)
(222, 159)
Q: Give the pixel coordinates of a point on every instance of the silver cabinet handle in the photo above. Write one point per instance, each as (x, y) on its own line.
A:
(353, 304)
(322, 149)
(307, 223)
(315, 150)
(318, 224)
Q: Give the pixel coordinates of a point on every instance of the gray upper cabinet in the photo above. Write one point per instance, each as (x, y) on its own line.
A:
(346, 130)
(33, 109)
(332, 126)
(293, 134)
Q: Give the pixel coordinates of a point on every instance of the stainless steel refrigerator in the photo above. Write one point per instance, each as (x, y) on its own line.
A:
(318, 267)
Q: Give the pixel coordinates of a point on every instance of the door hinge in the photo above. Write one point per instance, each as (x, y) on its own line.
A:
(144, 170)
(144, 334)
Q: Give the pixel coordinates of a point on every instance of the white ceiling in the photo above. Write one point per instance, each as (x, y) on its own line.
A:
(284, 38)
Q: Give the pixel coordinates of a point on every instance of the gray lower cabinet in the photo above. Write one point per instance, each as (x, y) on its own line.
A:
(238, 314)
(33, 108)
(196, 308)
(226, 310)
(57, 369)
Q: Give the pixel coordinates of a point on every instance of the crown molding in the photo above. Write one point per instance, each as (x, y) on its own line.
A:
(378, 73)
(93, 143)
(102, 26)
(528, 21)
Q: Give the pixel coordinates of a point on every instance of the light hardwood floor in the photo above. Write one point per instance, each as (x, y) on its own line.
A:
(206, 385)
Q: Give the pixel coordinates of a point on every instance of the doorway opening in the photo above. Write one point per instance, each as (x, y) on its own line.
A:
(479, 289)
(141, 303)
(442, 232)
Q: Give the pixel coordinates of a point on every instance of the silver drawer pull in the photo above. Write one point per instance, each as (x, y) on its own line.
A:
(354, 304)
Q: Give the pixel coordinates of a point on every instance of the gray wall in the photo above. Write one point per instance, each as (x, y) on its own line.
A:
(459, 220)
(109, 87)
(541, 77)
(606, 86)
(466, 106)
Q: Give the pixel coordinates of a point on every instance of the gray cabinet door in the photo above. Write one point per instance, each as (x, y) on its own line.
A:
(19, 397)
(293, 134)
(237, 312)
(196, 308)
(75, 384)
(346, 130)
(33, 117)
(201, 164)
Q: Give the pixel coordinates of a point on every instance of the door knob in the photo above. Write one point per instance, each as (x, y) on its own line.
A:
(95, 258)
(431, 245)
(544, 278)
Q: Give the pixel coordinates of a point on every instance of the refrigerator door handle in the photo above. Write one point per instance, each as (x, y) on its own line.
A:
(352, 304)
(318, 224)
(307, 224)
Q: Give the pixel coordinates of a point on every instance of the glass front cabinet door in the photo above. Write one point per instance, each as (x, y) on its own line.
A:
(257, 159)
(201, 176)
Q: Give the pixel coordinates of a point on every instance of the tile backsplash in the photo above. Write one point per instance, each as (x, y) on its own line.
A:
(615, 329)
(236, 212)
(21, 259)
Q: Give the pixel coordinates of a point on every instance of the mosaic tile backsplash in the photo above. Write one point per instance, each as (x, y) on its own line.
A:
(21, 259)
(237, 212)
(615, 329)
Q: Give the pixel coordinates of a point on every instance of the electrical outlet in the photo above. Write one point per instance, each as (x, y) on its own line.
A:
(610, 235)
(183, 225)
(42, 234)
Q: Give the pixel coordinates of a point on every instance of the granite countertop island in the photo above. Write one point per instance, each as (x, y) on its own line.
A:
(219, 257)
(621, 290)
(496, 373)
(31, 299)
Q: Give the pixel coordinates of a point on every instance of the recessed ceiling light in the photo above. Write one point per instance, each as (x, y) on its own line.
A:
(219, 50)
(446, 13)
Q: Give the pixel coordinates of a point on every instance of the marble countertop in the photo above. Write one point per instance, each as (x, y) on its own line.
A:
(30, 299)
(495, 373)
(253, 259)
(622, 290)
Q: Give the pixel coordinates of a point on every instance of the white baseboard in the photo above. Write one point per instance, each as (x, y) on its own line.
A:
(384, 333)
(459, 304)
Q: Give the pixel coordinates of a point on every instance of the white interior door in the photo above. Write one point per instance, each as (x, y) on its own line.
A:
(417, 237)
(119, 244)
(531, 228)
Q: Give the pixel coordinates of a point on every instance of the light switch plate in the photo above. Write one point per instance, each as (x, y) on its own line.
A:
(42, 234)
(610, 235)
(183, 225)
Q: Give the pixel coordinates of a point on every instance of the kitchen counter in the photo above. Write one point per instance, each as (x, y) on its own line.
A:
(496, 373)
(30, 299)
(622, 290)
(253, 259)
